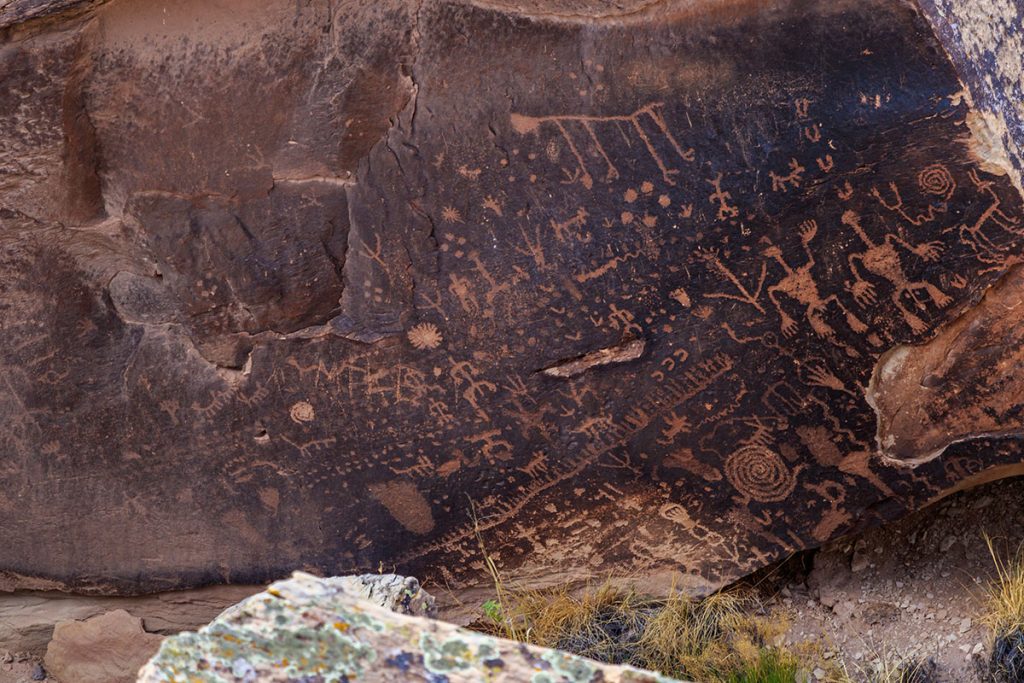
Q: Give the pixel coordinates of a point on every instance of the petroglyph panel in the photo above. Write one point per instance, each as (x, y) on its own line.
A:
(343, 287)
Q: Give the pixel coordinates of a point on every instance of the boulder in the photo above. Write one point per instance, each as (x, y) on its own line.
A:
(668, 289)
(306, 628)
(27, 618)
(109, 648)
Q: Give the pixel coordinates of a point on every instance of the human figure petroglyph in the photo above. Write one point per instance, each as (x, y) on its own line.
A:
(523, 124)
(462, 289)
(721, 198)
(883, 260)
(798, 284)
(674, 426)
(533, 247)
(463, 373)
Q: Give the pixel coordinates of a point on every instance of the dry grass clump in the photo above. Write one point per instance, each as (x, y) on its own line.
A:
(723, 637)
(1004, 596)
(1004, 616)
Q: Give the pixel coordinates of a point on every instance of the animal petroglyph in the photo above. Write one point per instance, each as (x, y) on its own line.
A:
(652, 112)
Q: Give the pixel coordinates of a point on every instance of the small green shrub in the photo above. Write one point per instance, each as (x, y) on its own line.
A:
(771, 666)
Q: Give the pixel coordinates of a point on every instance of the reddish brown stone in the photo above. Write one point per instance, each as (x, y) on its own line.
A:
(348, 286)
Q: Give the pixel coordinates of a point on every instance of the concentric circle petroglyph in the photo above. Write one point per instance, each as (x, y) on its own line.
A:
(936, 180)
(302, 412)
(759, 473)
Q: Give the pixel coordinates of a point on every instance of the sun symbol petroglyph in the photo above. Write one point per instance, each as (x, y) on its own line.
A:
(302, 412)
(425, 336)
(451, 215)
(759, 473)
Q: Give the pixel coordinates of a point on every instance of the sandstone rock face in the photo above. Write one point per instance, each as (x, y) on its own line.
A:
(307, 628)
(110, 648)
(598, 286)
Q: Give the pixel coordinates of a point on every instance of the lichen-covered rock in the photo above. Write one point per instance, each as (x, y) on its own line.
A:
(312, 629)
(402, 594)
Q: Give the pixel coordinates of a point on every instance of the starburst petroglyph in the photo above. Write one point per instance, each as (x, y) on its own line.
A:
(451, 215)
(425, 336)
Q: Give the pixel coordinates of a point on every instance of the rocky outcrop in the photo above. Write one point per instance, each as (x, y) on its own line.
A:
(307, 628)
(109, 648)
(28, 618)
(601, 287)
(401, 594)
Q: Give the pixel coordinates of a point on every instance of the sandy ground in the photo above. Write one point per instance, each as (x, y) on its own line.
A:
(912, 589)
(20, 668)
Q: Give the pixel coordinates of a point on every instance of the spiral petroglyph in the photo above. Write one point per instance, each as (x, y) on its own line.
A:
(759, 473)
(937, 180)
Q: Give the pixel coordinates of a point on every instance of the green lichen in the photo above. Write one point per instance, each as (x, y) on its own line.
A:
(305, 629)
(452, 654)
